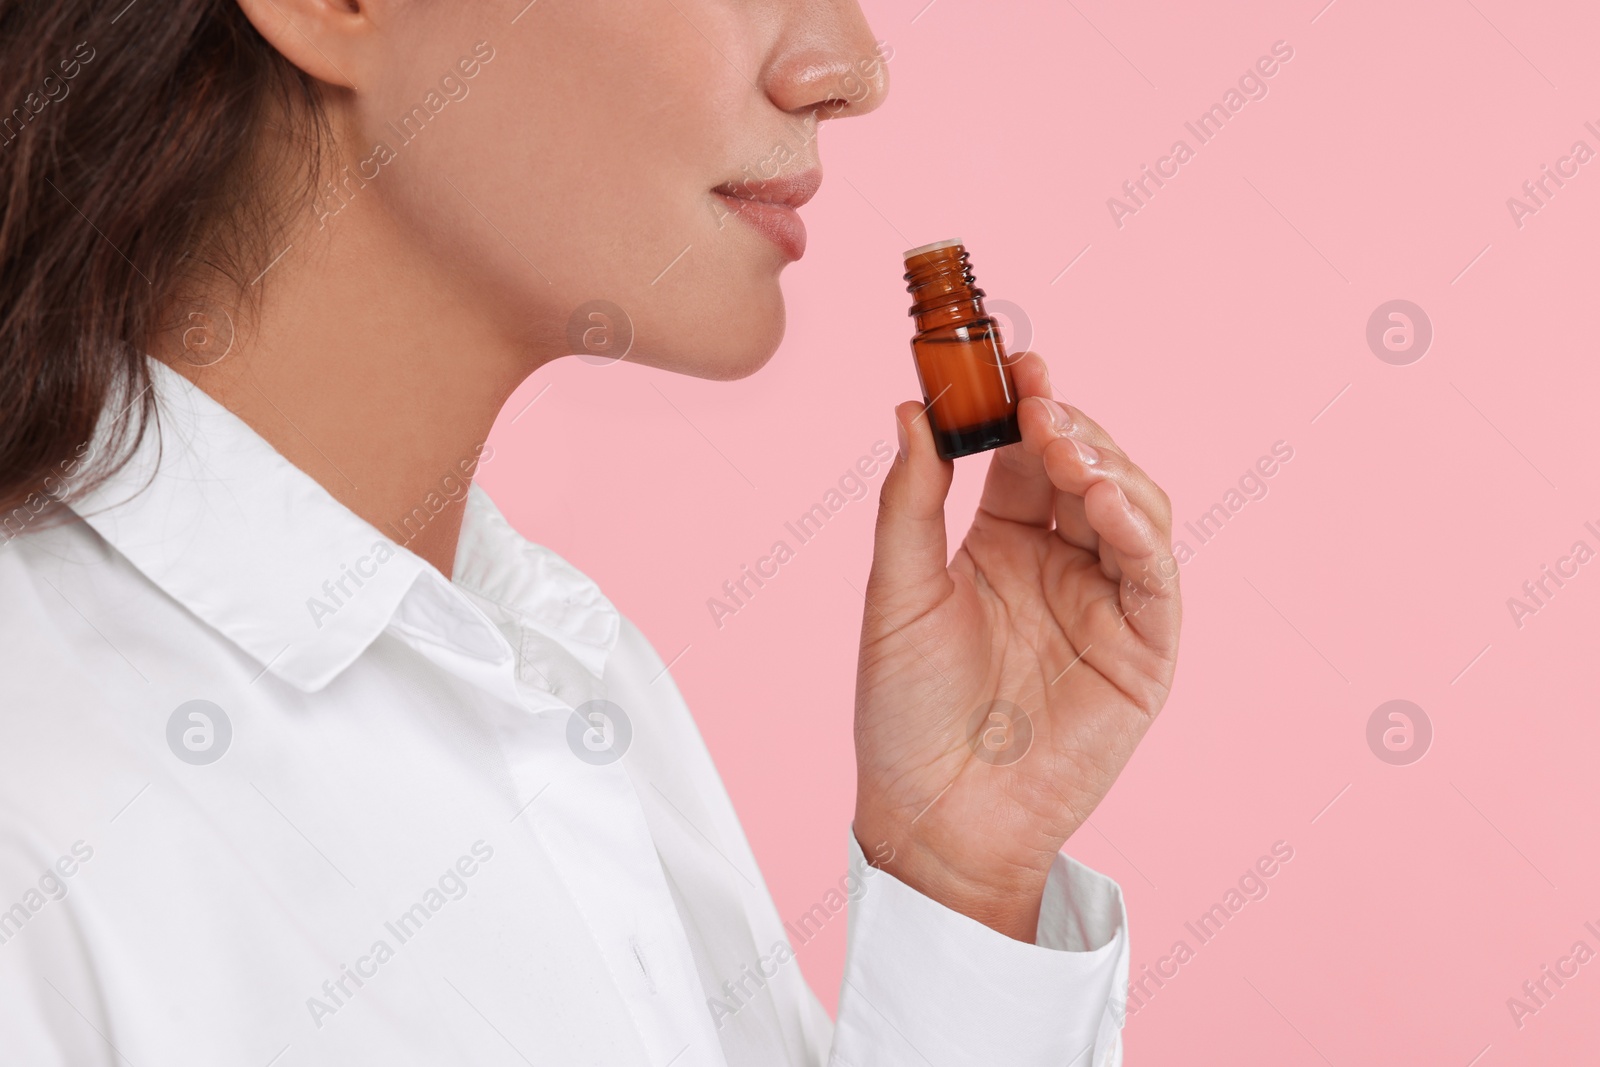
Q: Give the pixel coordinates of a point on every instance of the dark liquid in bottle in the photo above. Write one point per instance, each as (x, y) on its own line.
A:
(960, 357)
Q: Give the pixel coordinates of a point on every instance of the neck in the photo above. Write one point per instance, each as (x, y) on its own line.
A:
(373, 373)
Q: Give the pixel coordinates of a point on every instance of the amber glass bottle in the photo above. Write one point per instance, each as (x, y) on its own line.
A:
(961, 359)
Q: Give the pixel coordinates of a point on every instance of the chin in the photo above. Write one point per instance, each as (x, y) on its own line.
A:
(734, 346)
(733, 364)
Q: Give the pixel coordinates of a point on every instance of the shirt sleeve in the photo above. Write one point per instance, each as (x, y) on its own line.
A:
(927, 985)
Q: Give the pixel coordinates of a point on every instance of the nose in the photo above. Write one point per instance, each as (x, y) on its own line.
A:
(827, 63)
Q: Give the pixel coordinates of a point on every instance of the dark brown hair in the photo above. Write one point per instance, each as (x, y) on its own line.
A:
(127, 138)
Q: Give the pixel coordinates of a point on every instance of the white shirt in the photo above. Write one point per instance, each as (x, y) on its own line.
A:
(397, 831)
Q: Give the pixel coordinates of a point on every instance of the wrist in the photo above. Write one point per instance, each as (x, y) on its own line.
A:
(1003, 896)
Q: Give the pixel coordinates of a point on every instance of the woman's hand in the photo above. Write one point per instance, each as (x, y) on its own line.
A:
(999, 695)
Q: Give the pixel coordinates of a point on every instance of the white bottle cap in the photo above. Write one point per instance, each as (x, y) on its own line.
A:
(932, 248)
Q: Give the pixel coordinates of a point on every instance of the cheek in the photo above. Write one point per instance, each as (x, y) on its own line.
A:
(577, 173)
(593, 134)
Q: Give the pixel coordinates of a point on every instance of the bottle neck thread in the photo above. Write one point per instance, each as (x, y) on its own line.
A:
(942, 287)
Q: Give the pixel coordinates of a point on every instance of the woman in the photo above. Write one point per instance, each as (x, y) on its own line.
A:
(306, 756)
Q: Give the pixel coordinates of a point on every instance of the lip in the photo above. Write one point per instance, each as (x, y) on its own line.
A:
(772, 207)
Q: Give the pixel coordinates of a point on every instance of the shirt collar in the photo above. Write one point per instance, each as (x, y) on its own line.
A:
(542, 591)
(212, 514)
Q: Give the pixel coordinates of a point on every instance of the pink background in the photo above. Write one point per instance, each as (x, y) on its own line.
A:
(1221, 318)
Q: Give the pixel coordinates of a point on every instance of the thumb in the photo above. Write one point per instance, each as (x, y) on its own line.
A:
(910, 555)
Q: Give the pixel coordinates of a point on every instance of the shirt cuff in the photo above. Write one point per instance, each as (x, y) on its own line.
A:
(927, 985)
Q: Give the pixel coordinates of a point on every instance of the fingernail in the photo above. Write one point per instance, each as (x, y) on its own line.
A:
(1088, 454)
(1060, 421)
(900, 432)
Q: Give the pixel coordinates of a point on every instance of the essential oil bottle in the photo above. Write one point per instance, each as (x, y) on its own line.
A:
(961, 359)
